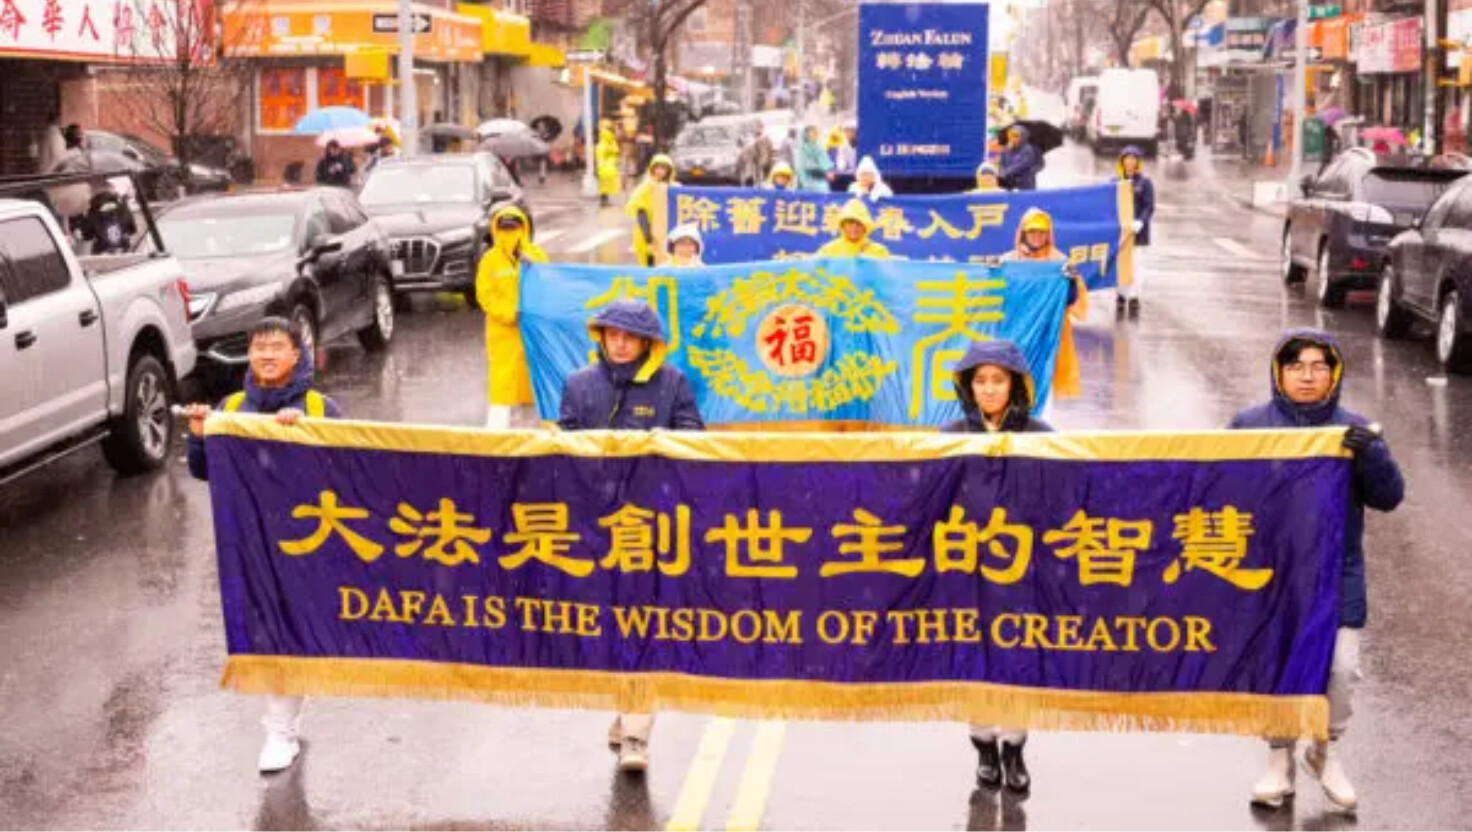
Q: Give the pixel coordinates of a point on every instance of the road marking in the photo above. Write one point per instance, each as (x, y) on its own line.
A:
(548, 237)
(700, 779)
(1235, 248)
(756, 781)
(593, 242)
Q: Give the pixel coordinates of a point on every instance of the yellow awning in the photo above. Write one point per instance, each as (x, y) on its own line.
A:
(545, 54)
(287, 28)
(502, 33)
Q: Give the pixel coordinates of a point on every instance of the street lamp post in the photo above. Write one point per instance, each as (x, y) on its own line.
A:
(408, 93)
(1300, 97)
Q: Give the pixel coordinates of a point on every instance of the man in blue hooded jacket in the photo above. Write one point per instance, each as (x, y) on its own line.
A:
(1020, 161)
(1307, 374)
(629, 387)
(278, 382)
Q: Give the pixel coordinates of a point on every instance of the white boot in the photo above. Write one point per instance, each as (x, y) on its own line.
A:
(282, 720)
(1276, 784)
(633, 755)
(1324, 765)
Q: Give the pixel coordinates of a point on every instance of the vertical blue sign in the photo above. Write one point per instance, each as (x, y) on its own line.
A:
(922, 87)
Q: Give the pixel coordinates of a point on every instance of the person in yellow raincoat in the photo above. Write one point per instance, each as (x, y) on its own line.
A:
(498, 288)
(854, 225)
(607, 156)
(782, 178)
(641, 206)
(1035, 243)
(987, 180)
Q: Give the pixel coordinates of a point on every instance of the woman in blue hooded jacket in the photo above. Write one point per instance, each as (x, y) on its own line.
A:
(1132, 170)
(995, 387)
(1306, 373)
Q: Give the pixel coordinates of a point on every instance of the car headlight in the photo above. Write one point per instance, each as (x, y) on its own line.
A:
(459, 235)
(246, 297)
(200, 305)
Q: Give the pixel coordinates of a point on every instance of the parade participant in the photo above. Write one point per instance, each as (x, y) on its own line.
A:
(1020, 162)
(995, 388)
(607, 156)
(814, 169)
(640, 207)
(986, 179)
(1131, 169)
(1307, 376)
(278, 381)
(1035, 243)
(685, 246)
(854, 226)
(848, 152)
(629, 387)
(498, 288)
(336, 167)
(781, 178)
(385, 149)
(868, 184)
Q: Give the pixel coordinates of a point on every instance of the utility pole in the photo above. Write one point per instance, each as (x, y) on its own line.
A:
(800, 96)
(1300, 96)
(1434, 27)
(408, 97)
(741, 58)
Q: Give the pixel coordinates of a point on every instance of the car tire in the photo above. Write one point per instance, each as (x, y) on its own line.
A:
(303, 317)
(1391, 320)
(1331, 296)
(1293, 274)
(1453, 345)
(140, 439)
(375, 336)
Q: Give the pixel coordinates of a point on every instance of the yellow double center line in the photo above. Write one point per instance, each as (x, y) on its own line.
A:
(756, 779)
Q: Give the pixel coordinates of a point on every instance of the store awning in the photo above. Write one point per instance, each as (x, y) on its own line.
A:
(287, 28)
(545, 54)
(501, 33)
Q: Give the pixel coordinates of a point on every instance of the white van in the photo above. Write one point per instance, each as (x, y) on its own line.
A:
(1078, 103)
(1127, 110)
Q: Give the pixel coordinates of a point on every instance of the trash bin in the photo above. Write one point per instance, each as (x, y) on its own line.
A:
(1313, 140)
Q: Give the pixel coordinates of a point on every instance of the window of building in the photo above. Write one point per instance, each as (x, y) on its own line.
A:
(283, 98)
(336, 89)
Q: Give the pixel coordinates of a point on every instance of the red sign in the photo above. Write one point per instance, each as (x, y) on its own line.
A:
(1390, 47)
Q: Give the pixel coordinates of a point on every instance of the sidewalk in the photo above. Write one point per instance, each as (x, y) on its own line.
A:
(1240, 180)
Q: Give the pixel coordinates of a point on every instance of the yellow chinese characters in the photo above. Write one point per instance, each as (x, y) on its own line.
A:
(331, 519)
(746, 215)
(700, 211)
(957, 544)
(870, 544)
(757, 551)
(639, 540)
(543, 528)
(1216, 542)
(1105, 549)
(959, 306)
(451, 545)
(796, 218)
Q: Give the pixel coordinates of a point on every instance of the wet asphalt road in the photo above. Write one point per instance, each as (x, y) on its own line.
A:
(111, 639)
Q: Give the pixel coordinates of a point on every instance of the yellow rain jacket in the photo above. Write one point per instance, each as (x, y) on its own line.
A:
(1067, 378)
(641, 201)
(498, 286)
(986, 170)
(607, 156)
(840, 247)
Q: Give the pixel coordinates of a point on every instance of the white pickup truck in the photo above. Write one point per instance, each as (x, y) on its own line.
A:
(91, 348)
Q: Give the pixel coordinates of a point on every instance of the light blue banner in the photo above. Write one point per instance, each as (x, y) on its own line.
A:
(828, 340)
(742, 225)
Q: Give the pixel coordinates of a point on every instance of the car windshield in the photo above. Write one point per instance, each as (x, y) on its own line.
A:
(397, 185)
(706, 137)
(1407, 192)
(147, 150)
(197, 238)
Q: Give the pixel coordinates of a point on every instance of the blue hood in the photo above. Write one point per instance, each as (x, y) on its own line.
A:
(996, 353)
(272, 399)
(636, 318)
(1319, 412)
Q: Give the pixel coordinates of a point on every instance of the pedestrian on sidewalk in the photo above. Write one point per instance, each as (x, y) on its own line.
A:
(606, 155)
(1306, 379)
(278, 381)
(1035, 244)
(855, 223)
(1132, 170)
(995, 387)
(814, 168)
(498, 289)
(640, 207)
(336, 167)
(629, 387)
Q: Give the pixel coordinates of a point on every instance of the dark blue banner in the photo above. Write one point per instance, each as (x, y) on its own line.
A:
(923, 87)
(1089, 222)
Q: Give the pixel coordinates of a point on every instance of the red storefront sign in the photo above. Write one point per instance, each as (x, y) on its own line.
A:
(1389, 48)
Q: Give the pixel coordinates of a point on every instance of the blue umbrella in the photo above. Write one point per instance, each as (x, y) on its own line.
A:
(330, 118)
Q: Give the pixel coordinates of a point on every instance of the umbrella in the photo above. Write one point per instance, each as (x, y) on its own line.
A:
(1390, 135)
(445, 130)
(515, 145)
(349, 137)
(1041, 134)
(547, 128)
(330, 118)
(1333, 116)
(500, 126)
(1185, 104)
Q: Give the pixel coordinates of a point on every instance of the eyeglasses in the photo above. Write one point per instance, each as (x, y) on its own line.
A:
(1298, 368)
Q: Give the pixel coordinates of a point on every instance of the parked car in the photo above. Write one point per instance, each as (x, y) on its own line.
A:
(434, 210)
(1342, 223)
(1079, 102)
(91, 348)
(1126, 110)
(161, 174)
(1429, 278)
(311, 256)
(710, 152)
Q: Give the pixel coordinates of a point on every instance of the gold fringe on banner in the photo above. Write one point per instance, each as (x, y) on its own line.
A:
(1037, 708)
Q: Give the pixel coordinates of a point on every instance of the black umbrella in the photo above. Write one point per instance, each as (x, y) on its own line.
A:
(454, 132)
(1042, 135)
(515, 145)
(547, 128)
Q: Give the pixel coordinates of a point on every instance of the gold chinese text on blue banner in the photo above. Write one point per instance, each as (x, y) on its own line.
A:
(1149, 581)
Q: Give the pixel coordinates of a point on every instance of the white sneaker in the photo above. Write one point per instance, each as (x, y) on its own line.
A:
(1325, 766)
(1276, 784)
(278, 753)
(633, 755)
(616, 735)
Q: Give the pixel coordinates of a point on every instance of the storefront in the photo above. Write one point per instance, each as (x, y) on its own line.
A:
(343, 54)
(1390, 88)
(1459, 62)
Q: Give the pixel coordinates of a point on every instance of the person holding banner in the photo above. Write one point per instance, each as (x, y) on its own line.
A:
(607, 155)
(641, 206)
(995, 388)
(1035, 243)
(1021, 161)
(854, 225)
(629, 388)
(987, 181)
(781, 178)
(1307, 374)
(1132, 170)
(498, 288)
(814, 168)
(685, 246)
(868, 184)
(279, 382)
